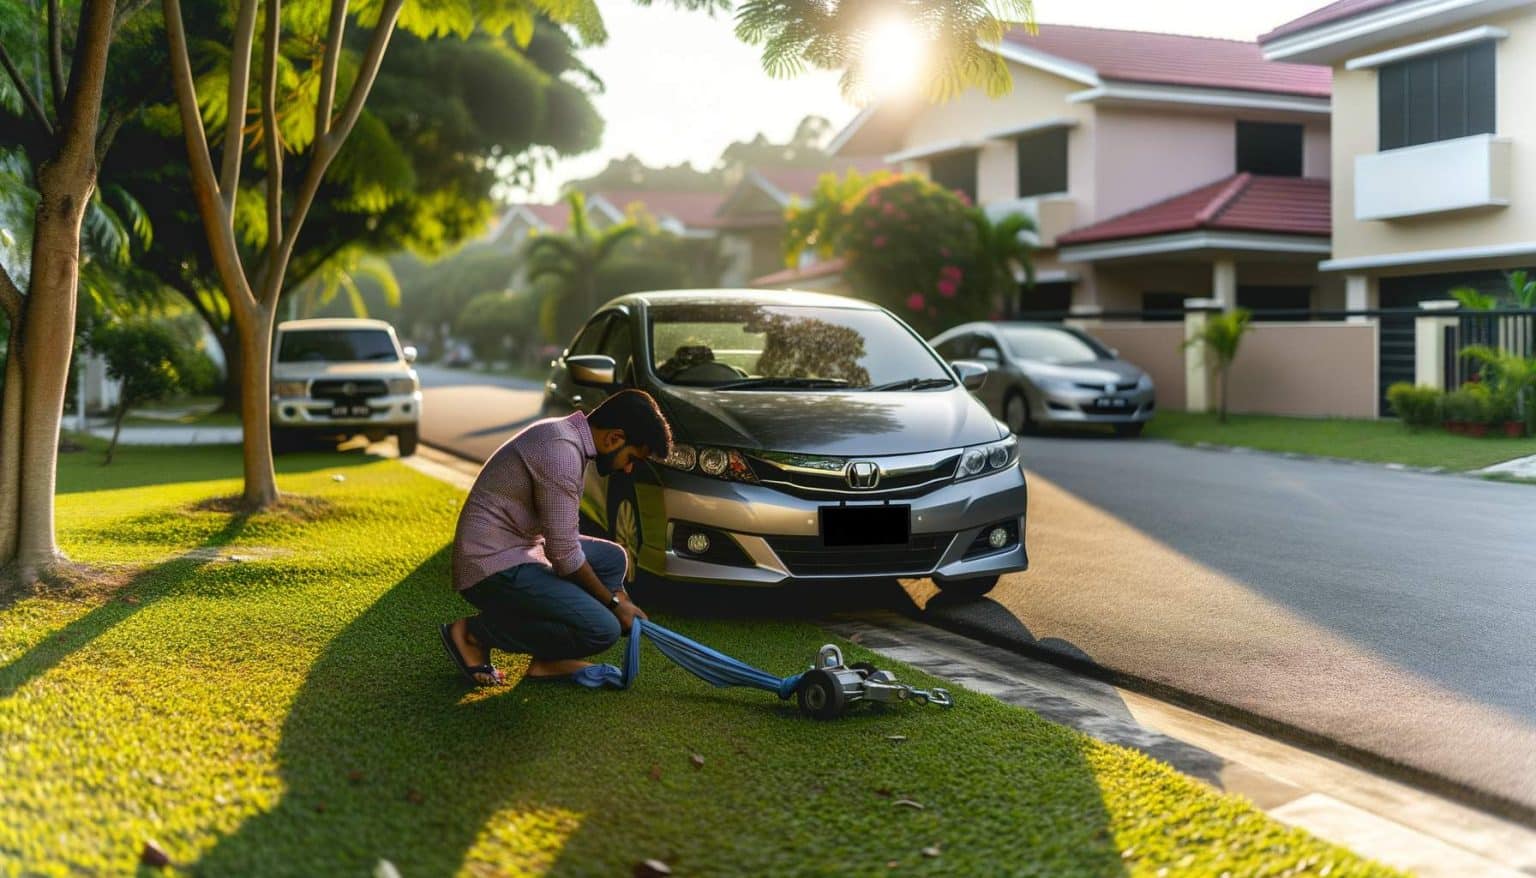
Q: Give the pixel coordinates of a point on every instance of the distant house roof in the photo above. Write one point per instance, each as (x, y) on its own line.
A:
(553, 217)
(792, 275)
(1175, 59)
(1332, 12)
(693, 210)
(1240, 203)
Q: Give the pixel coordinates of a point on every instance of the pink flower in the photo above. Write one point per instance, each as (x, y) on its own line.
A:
(944, 252)
(888, 209)
(948, 288)
(874, 197)
(951, 271)
(916, 301)
(879, 241)
(964, 199)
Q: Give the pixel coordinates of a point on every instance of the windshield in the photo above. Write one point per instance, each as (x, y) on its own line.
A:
(336, 346)
(782, 346)
(1047, 345)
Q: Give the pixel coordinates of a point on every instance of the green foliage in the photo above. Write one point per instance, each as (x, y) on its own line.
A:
(1510, 379)
(494, 323)
(341, 275)
(1471, 403)
(565, 267)
(912, 247)
(1219, 338)
(1418, 407)
(1522, 289)
(1005, 254)
(820, 225)
(144, 355)
(1474, 300)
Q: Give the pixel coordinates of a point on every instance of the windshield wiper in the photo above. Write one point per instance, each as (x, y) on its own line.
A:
(911, 384)
(774, 383)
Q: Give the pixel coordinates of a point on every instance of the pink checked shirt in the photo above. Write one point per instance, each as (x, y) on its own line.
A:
(523, 506)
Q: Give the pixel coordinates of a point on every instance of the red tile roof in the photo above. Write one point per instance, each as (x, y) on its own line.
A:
(790, 275)
(1326, 15)
(554, 216)
(692, 209)
(801, 181)
(1172, 59)
(1240, 203)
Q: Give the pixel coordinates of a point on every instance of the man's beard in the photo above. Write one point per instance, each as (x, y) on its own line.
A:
(605, 462)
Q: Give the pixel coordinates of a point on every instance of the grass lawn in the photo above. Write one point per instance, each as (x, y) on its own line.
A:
(1377, 441)
(267, 696)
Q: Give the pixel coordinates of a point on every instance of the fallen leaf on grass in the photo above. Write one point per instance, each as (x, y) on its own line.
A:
(931, 851)
(414, 797)
(884, 791)
(652, 869)
(131, 599)
(154, 855)
(655, 772)
(855, 637)
(338, 477)
(895, 739)
(891, 864)
(908, 803)
(319, 807)
(385, 869)
(355, 776)
(697, 760)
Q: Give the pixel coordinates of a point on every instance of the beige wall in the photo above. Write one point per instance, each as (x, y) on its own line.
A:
(1355, 132)
(1185, 150)
(1316, 150)
(1306, 369)
(1155, 347)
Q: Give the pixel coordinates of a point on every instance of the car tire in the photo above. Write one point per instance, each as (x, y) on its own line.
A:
(624, 525)
(1129, 431)
(408, 438)
(1016, 414)
(972, 588)
(819, 695)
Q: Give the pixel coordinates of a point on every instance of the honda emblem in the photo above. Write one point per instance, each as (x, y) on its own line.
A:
(863, 474)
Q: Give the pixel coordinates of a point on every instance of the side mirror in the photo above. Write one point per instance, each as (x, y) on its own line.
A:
(591, 370)
(410, 353)
(1114, 352)
(972, 374)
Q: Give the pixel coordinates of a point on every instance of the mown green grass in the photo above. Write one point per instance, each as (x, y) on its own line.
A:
(1375, 441)
(291, 713)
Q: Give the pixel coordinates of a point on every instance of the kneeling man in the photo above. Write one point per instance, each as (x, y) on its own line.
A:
(542, 588)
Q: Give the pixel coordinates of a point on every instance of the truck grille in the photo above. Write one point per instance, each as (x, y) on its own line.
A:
(806, 556)
(332, 388)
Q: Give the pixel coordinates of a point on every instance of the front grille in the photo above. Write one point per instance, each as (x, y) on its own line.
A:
(333, 388)
(806, 556)
(814, 477)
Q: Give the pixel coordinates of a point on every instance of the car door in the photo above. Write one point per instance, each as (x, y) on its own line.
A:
(564, 395)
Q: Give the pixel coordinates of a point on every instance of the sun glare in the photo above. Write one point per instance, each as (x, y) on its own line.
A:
(893, 56)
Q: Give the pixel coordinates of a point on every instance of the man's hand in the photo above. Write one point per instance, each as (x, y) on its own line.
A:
(627, 612)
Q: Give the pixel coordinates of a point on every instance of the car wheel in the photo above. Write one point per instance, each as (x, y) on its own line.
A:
(974, 587)
(1129, 431)
(1016, 414)
(624, 517)
(407, 439)
(820, 695)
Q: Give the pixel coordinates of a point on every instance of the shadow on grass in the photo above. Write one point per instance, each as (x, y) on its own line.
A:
(383, 755)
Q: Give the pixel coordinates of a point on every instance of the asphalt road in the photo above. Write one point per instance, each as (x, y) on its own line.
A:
(1391, 612)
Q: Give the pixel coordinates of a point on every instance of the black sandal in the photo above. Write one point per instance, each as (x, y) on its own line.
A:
(446, 630)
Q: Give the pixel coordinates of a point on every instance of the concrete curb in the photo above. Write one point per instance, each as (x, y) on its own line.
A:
(1501, 472)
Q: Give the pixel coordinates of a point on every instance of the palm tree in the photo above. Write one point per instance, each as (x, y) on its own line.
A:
(1004, 252)
(570, 262)
(339, 275)
(1220, 338)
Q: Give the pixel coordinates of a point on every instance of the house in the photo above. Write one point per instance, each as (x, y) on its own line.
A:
(686, 214)
(1434, 149)
(1157, 167)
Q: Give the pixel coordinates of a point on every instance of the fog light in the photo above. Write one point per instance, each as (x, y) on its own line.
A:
(698, 543)
(290, 412)
(997, 538)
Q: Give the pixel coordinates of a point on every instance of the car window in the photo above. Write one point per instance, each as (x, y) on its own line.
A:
(710, 344)
(591, 336)
(1048, 344)
(619, 344)
(957, 348)
(986, 350)
(336, 346)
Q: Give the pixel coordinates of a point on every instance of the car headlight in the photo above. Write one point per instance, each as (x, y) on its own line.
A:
(402, 385)
(1058, 385)
(720, 463)
(980, 460)
(1144, 382)
(288, 389)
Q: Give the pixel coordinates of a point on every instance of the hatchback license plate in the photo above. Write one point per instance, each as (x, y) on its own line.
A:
(1112, 402)
(350, 411)
(866, 525)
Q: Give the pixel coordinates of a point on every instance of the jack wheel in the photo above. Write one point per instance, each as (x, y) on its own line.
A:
(820, 695)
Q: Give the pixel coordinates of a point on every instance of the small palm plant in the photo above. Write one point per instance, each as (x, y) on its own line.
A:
(1510, 377)
(571, 261)
(1005, 252)
(1220, 338)
(1522, 289)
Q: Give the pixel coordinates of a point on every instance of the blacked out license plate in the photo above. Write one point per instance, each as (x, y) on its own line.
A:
(1112, 402)
(866, 525)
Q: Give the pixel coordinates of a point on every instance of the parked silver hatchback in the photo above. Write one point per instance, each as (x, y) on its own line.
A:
(1046, 374)
(816, 438)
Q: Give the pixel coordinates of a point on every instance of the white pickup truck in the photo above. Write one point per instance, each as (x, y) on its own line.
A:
(343, 377)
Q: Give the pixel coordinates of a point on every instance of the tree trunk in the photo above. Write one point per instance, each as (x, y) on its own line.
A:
(10, 448)
(232, 371)
(1222, 374)
(117, 427)
(253, 327)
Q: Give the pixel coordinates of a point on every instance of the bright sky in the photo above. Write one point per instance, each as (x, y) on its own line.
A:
(681, 87)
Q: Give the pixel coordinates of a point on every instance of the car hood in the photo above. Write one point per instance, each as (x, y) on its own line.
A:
(835, 422)
(1092, 372)
(304, 370)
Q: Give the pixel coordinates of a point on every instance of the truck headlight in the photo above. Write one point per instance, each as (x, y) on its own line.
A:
(980, 460)
(290, 389)
(398, 386)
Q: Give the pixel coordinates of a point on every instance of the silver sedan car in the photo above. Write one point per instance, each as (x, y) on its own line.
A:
(817, 438)
(1046, 374)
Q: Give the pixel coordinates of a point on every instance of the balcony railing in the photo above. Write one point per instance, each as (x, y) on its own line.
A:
(1462, 174)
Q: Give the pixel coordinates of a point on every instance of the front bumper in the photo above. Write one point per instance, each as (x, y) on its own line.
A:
(1059, 405)
(779, 534)
(306, 413)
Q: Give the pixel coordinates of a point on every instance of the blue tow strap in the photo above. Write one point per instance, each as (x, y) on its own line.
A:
(714, 668)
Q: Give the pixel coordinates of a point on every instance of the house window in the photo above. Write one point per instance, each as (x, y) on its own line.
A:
(1437, 97)
(1272, 148)
(1042, 162)
(1260, 299)
(955, 171)
(1156, 306)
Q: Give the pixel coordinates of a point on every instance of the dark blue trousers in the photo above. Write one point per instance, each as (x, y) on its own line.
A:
(529, 609)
